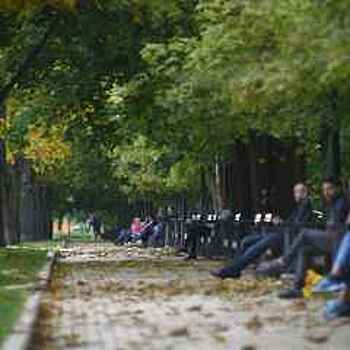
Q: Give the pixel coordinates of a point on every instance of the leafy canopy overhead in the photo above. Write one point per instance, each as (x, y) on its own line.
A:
(151, 92)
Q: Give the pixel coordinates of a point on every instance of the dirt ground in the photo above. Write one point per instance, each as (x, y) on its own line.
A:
(125, 298)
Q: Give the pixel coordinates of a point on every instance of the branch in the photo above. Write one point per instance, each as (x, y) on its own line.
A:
(32, 54)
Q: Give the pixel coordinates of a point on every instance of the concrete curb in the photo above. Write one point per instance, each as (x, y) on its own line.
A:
(22, 333)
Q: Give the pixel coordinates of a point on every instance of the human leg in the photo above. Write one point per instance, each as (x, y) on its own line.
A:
(340, 274)
(309, 243)
(234, 270)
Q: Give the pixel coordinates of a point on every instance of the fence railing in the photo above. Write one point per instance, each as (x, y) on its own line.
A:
(220, 237)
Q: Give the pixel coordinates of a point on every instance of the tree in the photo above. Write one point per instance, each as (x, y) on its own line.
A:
(273, 67)
(152, 98)
(67, 62)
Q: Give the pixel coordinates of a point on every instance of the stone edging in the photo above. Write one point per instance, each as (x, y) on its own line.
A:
(21, 335)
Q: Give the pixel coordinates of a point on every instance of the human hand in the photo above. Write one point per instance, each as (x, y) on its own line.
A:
(277, 220)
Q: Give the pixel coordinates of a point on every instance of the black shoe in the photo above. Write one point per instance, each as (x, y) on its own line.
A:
(224, 274)
(190, 257)
(291, 293)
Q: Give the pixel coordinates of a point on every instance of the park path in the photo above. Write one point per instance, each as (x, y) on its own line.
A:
(119, 298)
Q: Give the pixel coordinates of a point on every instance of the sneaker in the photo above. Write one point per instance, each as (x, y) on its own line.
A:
(335, 309)
(329, 285)
(224, 274)
(291, 293)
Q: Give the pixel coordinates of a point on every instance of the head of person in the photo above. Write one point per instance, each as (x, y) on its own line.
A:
(330, 189)
(136, 221)
(300, 192)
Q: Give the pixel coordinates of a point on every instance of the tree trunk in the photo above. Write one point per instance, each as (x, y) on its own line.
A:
(7, 218)
(330, 140)
(331, 152)
(17, 204)
(27, 210)
(42, 213)
(241, 183)
(3, 240)
(253, 175)
(51, 225)
(13, 200)
(212, 189)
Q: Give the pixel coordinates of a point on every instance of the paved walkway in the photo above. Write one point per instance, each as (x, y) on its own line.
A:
(105, 297)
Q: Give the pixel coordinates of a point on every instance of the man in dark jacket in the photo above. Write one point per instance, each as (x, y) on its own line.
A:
(300, 216)
(310, 243)
(194, 227)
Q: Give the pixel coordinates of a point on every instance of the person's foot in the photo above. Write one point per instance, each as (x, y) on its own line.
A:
(224, 274)
(290, 293)
(329, 284)
(335, 309)
(190, 257)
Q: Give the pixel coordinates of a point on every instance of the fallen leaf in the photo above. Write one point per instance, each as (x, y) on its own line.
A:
(181, 331)
(254, 324)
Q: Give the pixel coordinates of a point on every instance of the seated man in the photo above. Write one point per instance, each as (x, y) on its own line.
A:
(301, 215)
(157, 236)
(338, 281)
(194, 227)
(122, 236)
(147, 230)
(132, 234)
(310, 243)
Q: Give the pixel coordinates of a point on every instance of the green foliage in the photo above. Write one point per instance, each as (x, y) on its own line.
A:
(144, 169)
(20, 5)
(147, 94)
(270, 66)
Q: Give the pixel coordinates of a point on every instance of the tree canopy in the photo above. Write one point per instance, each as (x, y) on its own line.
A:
(140, 98)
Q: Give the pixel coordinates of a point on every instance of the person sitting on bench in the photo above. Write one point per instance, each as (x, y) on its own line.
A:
(301, 214)
(314, 242)
(338, 281)
(194, 228)
(157, 237)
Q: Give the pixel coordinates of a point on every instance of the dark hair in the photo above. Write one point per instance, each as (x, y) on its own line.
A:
(332, 180)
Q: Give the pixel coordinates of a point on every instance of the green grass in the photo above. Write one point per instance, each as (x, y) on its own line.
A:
(11, 303)
(44, 245)
(76, 235)
(81, 236)
(18, 268)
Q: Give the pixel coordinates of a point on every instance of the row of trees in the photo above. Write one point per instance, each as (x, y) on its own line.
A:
(109, 104)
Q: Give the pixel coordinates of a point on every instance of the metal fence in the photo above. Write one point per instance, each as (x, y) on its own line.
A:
(218, 237)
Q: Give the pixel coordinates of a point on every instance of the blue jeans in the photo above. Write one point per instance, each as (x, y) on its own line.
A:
(308, 244)
(158, 236)
(249, 241)
(342, 259)
(124, 236)
(251, 254)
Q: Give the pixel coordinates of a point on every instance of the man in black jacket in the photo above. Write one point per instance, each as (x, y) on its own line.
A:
(301, 215)
(310, 243)
(195, 227)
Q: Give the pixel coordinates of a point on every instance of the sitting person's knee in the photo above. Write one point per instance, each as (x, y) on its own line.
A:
(304, 235)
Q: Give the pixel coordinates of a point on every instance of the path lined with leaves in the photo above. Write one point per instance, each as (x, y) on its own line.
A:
(105, 297)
